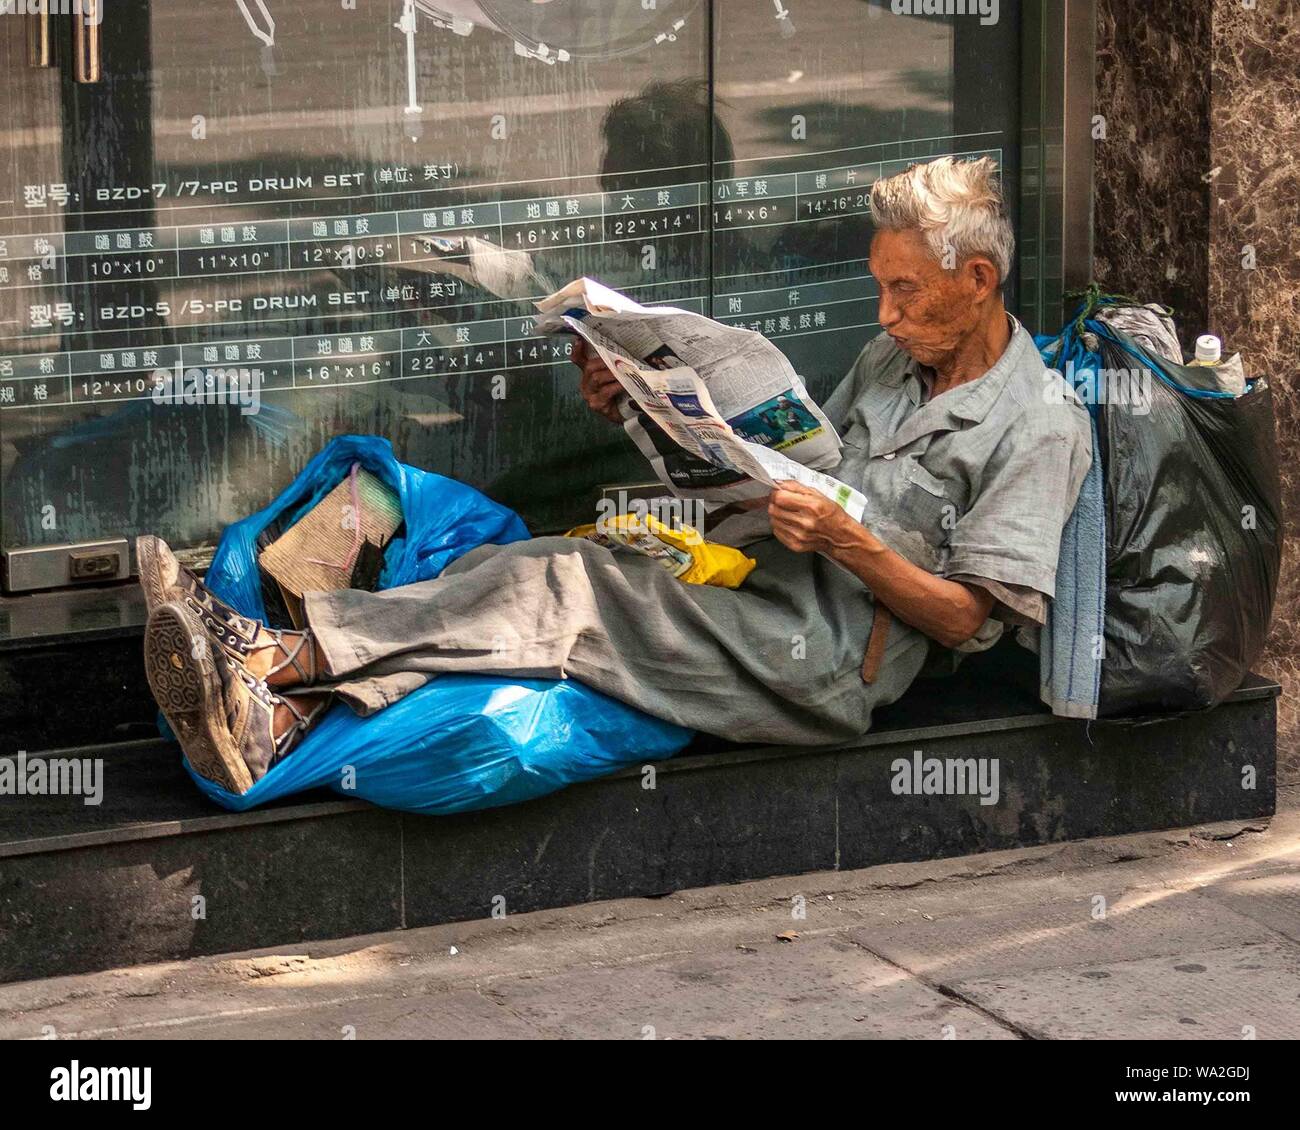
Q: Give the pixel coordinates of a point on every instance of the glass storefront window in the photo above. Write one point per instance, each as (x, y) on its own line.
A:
(339, 218)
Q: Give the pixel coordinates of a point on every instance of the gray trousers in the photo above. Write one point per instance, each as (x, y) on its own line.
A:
(777, 660)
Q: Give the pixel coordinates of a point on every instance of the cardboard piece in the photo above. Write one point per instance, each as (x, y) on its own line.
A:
(336, 543)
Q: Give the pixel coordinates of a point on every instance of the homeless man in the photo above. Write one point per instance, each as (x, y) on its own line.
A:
(969, 452)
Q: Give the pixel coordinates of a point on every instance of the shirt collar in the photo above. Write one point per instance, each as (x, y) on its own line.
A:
(967, 402)
(972, 400)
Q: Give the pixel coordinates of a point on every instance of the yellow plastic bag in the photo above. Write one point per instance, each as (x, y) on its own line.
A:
(681, 551)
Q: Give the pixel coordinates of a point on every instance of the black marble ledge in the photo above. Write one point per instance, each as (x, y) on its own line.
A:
(64, 616)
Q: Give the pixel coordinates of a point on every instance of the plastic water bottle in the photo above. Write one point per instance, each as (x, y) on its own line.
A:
(1209, 350)
(1231, 374)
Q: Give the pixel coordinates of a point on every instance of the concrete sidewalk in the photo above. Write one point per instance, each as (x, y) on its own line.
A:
(1175, 935)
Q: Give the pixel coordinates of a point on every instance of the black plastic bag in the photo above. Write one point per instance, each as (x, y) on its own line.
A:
(1194, 534)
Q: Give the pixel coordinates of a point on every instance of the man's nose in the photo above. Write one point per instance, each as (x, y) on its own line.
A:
(889, 314)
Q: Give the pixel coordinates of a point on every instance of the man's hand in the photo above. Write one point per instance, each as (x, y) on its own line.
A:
(806, 521)
(809, 522)
(599, 387)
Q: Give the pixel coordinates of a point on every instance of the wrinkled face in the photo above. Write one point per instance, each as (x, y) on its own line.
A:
(927, 310)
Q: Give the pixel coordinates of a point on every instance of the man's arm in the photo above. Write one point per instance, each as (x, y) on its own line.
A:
(808, 522)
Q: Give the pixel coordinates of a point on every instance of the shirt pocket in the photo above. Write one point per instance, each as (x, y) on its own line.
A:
(855, 456)
(855, 437)
(927, 505)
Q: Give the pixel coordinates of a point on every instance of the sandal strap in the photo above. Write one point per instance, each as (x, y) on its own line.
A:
(291, 657)
(288, 738)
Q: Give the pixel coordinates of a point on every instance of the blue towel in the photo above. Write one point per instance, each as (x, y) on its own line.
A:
(1071, 643)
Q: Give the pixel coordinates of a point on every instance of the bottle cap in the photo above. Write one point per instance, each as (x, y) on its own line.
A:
(1208, 348)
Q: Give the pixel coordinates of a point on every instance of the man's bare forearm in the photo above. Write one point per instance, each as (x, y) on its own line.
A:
(946, 611)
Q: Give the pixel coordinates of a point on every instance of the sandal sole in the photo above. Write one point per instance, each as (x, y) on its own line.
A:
(180, 666)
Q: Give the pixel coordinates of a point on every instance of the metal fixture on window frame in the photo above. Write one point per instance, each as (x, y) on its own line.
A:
(1059, 61)
(36, 567)
(1080, 53)
(40, 41)
(86, 20)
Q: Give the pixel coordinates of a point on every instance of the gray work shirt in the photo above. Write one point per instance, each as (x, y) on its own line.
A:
(973, 485)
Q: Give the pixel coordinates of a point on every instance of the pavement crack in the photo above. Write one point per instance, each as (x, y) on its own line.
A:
(1019, 1030)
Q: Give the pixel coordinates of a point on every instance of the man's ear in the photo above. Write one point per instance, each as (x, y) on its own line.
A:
(983, 275)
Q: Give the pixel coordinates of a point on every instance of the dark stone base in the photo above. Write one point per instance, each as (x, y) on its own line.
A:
(89, 888)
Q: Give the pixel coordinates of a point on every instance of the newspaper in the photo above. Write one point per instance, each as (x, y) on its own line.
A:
(717, 410)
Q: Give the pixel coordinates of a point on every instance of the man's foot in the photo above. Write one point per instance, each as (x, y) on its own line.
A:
(231, 726)
(281, 658)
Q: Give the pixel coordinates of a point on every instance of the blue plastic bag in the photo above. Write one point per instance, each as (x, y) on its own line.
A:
(462, 741)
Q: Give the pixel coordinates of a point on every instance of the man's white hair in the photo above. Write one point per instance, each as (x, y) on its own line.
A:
(956, 205)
